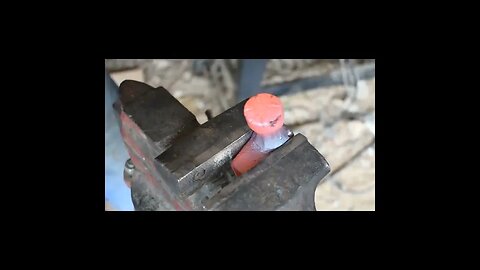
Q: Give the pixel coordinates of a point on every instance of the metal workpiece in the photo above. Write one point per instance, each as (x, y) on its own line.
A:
(177, 164)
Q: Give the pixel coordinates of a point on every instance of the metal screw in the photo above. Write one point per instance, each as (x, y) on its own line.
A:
(128, 172)
(199, 174)
(129, 167)
(129, 164)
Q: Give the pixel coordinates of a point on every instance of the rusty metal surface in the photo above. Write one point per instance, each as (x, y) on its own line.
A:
(285, 180)
(198, 156)
(156, 112)
(151, 119)
(181, 165)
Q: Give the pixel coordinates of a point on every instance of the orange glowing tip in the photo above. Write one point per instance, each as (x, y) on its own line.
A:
(264, 113)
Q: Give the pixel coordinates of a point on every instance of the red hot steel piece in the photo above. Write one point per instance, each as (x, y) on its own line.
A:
(264, 115)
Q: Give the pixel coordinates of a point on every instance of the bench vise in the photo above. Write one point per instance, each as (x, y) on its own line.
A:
(177, 164)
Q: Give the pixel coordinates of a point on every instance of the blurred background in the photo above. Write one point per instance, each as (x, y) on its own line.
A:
(330, 101)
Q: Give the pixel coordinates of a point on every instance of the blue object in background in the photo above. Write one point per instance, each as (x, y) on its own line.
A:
(251, 75)
(116, 191)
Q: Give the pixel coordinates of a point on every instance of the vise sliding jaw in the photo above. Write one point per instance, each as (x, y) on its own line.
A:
(178, 164)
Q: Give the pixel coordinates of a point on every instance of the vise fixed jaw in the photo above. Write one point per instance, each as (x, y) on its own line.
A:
(199, 157)
(182, 165)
